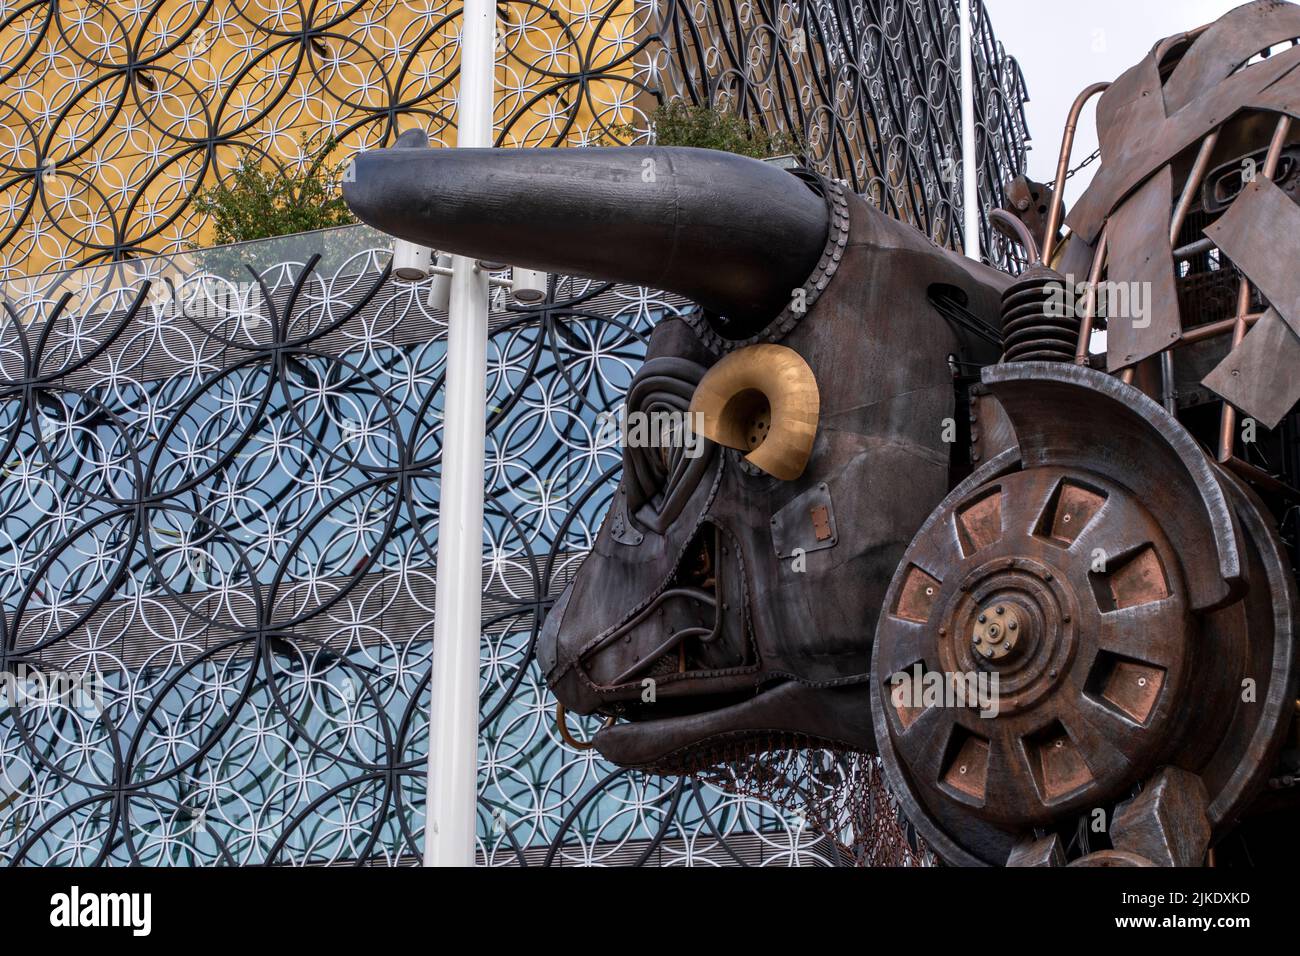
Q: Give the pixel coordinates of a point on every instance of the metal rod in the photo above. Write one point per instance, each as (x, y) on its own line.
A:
(1261, 478)
(1194, 249)
(1193, 184)
(1063, 166)
(1168, 386)
(1090, 304)
(447, 271)
(1228, 419)
(970, 187)
(1018, 231)
(451, 808)
(1212, 329)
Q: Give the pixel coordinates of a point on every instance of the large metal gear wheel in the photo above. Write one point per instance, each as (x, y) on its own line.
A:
(1042, 655)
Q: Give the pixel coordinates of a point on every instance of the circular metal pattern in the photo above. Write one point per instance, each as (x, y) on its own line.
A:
(1000, 631)
(116, 115)
(233, 518)
(1021, 622)
(1071, 712)
(229, 514)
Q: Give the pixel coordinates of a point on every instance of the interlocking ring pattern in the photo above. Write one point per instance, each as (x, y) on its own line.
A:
(227, 511)
(870, 88)
(222, 503)
(114, 114)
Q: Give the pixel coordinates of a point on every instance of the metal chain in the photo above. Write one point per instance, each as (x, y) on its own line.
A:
(1088, 161)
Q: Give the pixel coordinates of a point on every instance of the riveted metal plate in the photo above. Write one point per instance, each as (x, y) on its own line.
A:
(621, 527)
(805, 524)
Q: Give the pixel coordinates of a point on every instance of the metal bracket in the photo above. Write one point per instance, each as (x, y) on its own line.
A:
(621, 528)
(807, 523)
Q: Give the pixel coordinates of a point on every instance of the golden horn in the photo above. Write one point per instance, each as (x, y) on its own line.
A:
(763, 400)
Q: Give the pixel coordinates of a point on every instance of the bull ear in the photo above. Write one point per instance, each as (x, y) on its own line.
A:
(762, 399)
(731, 233)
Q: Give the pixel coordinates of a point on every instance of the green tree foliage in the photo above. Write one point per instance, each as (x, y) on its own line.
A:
(705, 127)
(260, 199)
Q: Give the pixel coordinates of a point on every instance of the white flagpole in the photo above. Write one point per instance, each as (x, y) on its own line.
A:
(970, 189)
(451, 810)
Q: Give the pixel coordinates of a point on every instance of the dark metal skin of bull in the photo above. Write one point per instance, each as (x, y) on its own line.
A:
(763, 650)
(880, 354)
(724, 611)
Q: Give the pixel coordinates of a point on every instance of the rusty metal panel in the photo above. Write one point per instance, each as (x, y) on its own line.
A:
(1229, 42)
(1260, 233)
(1142, 263)
(1121, 171)
(1259, 375)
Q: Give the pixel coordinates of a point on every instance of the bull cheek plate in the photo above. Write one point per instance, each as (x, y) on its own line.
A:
(805, 524)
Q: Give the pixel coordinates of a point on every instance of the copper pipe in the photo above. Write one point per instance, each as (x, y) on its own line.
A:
(1212, 329)
(1063, 166)
(1228, 420)
(1126, 376)
(1090, 304)
(1017, 230)
(562, 725)
(1163, 46)
(1192, 185)
(1168, 388)
(1260, 478)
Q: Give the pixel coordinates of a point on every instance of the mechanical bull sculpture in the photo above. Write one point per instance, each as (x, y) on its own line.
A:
(745, 582)
(1094, 538)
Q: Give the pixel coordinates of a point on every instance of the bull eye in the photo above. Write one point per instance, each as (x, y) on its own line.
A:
(762, 400)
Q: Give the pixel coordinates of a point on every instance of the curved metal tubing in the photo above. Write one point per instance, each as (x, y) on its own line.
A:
(1063, 165)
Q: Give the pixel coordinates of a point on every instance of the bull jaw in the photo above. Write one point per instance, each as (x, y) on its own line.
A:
(838, 718)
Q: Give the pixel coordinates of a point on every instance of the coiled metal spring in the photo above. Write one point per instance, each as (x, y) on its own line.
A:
(1038, 324)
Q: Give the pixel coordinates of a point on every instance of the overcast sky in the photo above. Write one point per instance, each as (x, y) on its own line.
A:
(1064, 46)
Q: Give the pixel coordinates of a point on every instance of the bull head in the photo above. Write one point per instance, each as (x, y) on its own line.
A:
(730, 600)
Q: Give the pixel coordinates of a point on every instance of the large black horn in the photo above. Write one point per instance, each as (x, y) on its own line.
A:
(735, 235)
